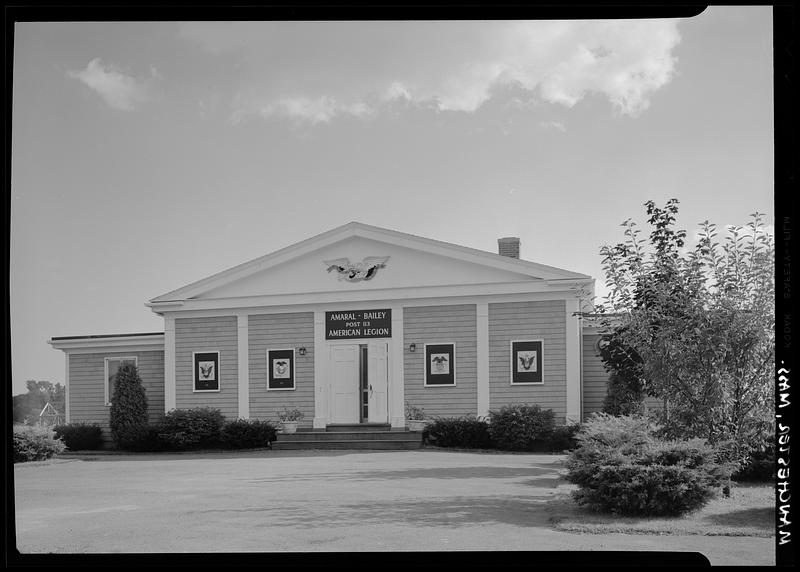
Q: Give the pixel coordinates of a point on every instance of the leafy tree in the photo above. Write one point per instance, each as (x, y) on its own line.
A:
(128, 408)
(695, 328)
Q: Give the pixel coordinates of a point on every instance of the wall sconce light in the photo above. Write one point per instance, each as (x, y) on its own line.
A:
(412, 348)
(301, 351)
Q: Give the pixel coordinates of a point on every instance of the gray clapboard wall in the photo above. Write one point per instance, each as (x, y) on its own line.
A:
(201, 335)
(595, 378)
(434, 325)
(281, 331)
(87, 386)
(543, 320)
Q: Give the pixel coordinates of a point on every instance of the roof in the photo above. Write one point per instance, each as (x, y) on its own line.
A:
(358, 229)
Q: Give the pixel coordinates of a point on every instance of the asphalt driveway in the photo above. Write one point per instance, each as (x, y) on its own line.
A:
(288, 501)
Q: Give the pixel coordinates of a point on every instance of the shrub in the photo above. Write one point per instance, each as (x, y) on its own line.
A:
(128, 417)
(191, 428)
(467, 432)
(247, 434)
(80, 436)
(521, 427)
(563, 438)
(621, 467)
(33, 443)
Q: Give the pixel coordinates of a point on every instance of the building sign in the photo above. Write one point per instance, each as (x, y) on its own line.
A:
(358, 324)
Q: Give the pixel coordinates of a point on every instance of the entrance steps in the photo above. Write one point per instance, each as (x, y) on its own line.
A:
(356, 436)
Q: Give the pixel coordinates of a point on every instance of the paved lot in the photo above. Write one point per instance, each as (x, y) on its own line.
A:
(285, 501)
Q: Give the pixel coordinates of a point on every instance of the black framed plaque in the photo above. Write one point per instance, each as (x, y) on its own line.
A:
(526, 361)
(440, 364)
(206, 371)
(280, 369)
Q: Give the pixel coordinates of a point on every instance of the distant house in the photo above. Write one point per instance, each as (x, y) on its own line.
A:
(50, 416)
(349, 325)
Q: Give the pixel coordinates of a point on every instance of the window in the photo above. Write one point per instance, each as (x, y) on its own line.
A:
(280, 369)
(206, 371)
(440, 364)
(526, 362)
(112, 369)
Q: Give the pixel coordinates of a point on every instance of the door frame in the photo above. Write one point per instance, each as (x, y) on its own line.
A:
(329, 344)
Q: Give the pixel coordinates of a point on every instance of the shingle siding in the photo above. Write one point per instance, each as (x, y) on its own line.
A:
(544, 320)
(207, 334)
(595, 378)
(442, 324)
(87, 389)
(281, 331)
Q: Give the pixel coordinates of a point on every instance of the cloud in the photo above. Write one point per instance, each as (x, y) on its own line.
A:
(118, 90)
(316, 71)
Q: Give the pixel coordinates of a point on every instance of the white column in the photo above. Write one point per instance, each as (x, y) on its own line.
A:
(482, 318)
(397, 416)
(243, 360)
(320, 368)
(169, 364)
(573, 333)
(66, 389)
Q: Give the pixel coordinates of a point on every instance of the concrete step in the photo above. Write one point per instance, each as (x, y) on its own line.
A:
(385, 445)
(367, 427)
(350, 436)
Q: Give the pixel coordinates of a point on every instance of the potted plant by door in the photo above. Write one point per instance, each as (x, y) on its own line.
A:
(289, 419)
(415, 417)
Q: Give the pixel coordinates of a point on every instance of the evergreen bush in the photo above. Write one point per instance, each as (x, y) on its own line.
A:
(247, 434)
(128, 408)
(195, 428)
(34, 443)
(520, 427)
(80, 436)
(464, 432)
(621, 467)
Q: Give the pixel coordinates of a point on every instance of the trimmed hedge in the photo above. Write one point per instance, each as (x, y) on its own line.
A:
(464, 432)
(247, 434)
(34, 443)
(80, 436)
(621, 467)
(196, 428)
(521, 427)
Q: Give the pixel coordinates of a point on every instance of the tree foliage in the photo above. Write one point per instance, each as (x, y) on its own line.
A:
(128, 417)
(695, 328)
(28, 406)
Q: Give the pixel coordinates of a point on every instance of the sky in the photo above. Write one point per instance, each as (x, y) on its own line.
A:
(148, 155)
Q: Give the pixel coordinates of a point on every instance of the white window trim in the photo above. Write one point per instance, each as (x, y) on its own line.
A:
(425, 365)
(219, 372)
(511, 358)
(294, 369)
(105, 377)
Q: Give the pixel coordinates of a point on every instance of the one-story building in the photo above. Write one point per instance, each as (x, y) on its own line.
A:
(350, 325)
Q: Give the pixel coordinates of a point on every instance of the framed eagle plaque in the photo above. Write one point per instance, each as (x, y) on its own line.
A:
(526, 361)
(206, 371)
(440, 364)
(280, 369)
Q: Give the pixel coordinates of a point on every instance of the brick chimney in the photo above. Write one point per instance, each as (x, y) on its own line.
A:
(508, 246)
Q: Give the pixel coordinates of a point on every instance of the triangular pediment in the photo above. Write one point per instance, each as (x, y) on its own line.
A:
(340, 260)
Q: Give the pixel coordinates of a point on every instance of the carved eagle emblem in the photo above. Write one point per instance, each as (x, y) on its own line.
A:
(206, 372)
(356, 271)
(526, 363)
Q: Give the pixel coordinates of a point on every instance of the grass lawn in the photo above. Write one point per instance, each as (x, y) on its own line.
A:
(750, 511)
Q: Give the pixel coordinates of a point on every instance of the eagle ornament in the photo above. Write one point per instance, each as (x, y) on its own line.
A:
(357, 271)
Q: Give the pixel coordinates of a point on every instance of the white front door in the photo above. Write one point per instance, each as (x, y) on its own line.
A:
(378, 379)
(344, 383)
